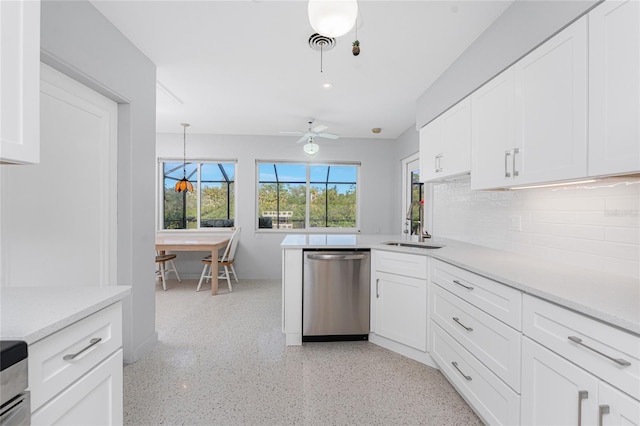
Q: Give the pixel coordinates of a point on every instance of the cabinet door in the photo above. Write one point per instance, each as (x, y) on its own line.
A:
(456, 139)
(614, 88)
(431, 151)
(95, 399)
(554, 391)
(493, 132)
(20, 81)
(401, 309)
(616, 408)
(551, 109)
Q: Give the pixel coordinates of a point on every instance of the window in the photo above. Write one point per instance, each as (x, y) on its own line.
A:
(210, 205)
(306, 196)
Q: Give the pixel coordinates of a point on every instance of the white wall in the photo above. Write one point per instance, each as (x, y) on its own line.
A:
(259, 254)
(79, 41)
(593, 225)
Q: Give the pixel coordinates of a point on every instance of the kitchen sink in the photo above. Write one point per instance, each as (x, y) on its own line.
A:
(411, 244)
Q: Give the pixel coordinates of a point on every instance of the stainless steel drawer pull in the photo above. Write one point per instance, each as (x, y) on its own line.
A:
(619, 361)
(456, 319)
(583, 394)
(602, 410)
(337, 256)
(462, 285)
(506, 161)
(455, 364)
(515, 172)
(92, 342)
(438, 166)
(377, 293)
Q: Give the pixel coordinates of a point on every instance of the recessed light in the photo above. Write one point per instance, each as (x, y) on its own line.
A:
(376, 130)
(327, 85)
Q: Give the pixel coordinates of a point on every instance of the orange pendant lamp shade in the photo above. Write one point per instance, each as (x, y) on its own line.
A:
(183, 185)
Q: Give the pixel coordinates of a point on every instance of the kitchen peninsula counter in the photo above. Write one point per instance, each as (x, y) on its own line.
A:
(613, 299)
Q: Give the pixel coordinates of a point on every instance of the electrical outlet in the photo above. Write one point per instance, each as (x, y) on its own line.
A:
(515, 223)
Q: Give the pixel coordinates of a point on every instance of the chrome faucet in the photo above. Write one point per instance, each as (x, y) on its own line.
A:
(422, 234)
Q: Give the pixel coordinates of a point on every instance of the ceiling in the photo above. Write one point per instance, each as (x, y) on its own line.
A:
(245, 67)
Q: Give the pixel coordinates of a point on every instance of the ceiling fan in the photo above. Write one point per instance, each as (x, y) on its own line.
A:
(312, 133)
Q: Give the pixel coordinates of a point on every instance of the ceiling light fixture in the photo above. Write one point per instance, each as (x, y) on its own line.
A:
(184, 184)
(311, 148)
(327, 85)
(332, 18)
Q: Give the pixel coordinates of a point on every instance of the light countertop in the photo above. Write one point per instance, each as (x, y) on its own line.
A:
(32, 313)
(614, 299)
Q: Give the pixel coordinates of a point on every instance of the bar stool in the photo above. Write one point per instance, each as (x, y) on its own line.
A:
(162, 259)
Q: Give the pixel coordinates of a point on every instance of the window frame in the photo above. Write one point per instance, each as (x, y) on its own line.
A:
(307, 229)
(196, 186)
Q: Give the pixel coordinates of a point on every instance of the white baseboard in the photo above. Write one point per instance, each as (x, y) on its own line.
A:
(143, 349)
(422, 357)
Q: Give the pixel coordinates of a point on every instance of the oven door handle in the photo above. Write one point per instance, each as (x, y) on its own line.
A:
(17, 411)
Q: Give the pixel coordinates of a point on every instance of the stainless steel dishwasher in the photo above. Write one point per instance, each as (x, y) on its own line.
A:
(336, 294)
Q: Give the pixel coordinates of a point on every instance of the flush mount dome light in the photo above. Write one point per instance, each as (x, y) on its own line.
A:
(311, 148)
(332, 18)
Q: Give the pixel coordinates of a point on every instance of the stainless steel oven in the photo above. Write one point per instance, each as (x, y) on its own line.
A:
(15, 407)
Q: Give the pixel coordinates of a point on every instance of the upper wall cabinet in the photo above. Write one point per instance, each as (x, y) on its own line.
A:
(614, 88)
(530, 122)
(20, 81)
(445, 144)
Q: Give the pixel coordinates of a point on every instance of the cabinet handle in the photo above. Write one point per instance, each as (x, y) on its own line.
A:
(619, 361)
(515, 151)
(602, 410)
(506, 163)
(583, 394)
(455, 364)
(92, 342)
(377, 293)
(456, 319)
(438, 165)
(462, 285)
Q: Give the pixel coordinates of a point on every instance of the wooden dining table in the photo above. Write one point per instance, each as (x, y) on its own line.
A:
(210, 243)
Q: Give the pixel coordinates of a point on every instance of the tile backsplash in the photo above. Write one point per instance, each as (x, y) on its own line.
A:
(593, 225)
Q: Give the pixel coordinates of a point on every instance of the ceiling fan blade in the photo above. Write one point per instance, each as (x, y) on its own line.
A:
(328, 135)
(319, 128)
(292, 133)
(302, 139)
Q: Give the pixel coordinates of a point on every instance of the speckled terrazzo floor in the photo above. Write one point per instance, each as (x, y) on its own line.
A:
(222, 360)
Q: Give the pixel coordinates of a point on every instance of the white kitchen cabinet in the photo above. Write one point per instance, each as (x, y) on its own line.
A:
(493, 132)
(75, 374)
(399, 301)
(401, 309)
(292, 263)
(616, 408)
(554, 391)
(445, 144)
(529, 124)
(614, 88)
(95, 399)
(20, 81)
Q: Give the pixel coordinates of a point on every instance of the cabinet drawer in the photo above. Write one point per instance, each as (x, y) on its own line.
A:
(495, 344)
(410, 265)
(605, 351)
(493, 400)
(95, 399)
(50, 373)
(498, 300)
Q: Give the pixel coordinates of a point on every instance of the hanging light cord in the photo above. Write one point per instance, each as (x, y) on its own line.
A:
(321, 46)
(184, 152)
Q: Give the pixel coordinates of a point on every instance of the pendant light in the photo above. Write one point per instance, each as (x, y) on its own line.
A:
(311, 148)
(332, 18)
(184, 184)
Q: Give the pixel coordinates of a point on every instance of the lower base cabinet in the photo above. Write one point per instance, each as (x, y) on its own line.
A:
(95, 399)
(557, 392)
(401, 309)
(492, 399)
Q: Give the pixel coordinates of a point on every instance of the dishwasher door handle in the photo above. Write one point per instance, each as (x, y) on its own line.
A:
(337, 256)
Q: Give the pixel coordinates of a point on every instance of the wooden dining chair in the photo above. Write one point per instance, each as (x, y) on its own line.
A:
(225, 261)
(161, 260)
